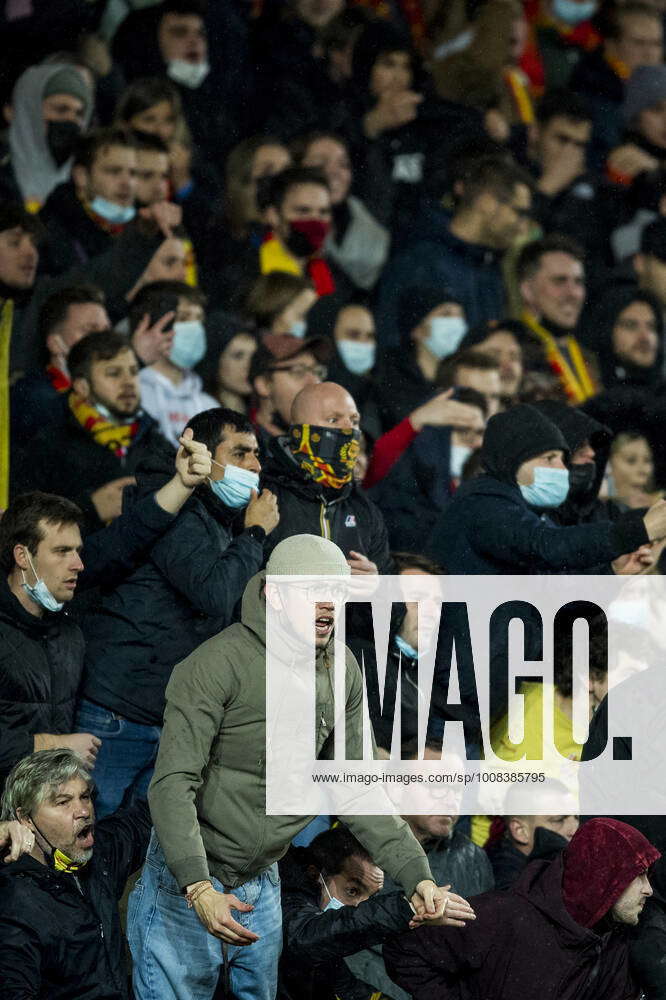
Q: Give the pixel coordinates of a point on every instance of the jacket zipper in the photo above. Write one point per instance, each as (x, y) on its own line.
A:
(323, 521)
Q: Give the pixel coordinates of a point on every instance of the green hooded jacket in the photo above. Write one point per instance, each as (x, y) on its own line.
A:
(208, 793)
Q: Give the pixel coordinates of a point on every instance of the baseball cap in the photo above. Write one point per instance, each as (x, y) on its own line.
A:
(276, 348)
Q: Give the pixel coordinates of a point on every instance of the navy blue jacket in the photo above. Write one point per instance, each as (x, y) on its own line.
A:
(184, 591)
(473, 273)
(489, 529)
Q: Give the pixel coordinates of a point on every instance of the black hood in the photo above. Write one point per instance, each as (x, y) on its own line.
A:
(578, 427)
(596, 331)
(515, 436)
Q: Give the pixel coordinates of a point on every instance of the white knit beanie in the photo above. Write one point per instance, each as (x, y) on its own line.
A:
(307, 555)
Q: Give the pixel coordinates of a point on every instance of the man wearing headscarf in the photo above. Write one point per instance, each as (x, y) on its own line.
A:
(51, 107)
(560, 932)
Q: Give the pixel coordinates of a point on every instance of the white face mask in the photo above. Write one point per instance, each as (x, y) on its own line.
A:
(116, 214)
(459, 455)
(39, 592)
(188, 74)
(189, 343)
(333, 902)
(298, 328)
(358, 356)
(445, 335)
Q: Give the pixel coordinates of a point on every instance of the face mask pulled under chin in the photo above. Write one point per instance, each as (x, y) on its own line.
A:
(39, 592)
(62, 139)
(306, 236)
(115, 214)
(188, 74)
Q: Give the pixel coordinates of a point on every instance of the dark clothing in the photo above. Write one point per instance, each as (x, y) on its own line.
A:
(648, 949)
(73, 236)
(41, 658)
(346, 516)
(64, 942)
(471, 271)
(399, 387)
(603, 90)
(580, 212)
(41, 661)
(68, 461)
(454, 861)
(416, 490)
(34, 404)
(488, 528)
(508, 863)
(315, 942)
(523, 943)
(185, 591)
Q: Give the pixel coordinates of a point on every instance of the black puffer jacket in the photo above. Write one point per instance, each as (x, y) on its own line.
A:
(315, 942)
(184, 592)
(346, 516)
(66, 944)
(41, 661)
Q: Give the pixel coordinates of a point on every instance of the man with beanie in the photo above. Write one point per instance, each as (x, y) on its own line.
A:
(310, 470)
(213, 840)
(560, 932)
(495, 524)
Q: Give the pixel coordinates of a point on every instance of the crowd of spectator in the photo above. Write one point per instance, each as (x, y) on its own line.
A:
(349, 287)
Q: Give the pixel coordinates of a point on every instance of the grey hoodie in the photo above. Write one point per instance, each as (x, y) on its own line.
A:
(208, 793)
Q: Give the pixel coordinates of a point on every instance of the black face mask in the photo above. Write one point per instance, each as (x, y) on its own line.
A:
(62, 139)
(581, 479)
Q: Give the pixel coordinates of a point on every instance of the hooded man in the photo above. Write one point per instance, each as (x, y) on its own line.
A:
(559, 933)
(625, 329)
(51, 107)
(184, 591)
(495, 523)
(310, 470)
(208, 801)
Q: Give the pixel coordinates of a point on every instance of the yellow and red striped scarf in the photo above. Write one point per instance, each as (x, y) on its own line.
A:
(116, 437)
(575, 378)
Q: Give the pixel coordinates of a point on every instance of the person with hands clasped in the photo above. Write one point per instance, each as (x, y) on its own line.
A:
(214, 847)
(184, 590)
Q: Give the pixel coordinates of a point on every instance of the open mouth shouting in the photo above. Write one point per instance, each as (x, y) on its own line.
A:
(324, 623)
(85, 837)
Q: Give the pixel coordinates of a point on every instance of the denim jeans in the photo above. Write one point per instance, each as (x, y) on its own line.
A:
(126, 758)
(174, 956)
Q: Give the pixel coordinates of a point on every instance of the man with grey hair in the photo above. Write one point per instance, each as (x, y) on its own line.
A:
(59, 921)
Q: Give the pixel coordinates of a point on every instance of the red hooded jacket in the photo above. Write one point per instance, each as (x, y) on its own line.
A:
(525, 944)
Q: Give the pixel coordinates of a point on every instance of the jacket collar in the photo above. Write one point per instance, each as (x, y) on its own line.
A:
(13, 611)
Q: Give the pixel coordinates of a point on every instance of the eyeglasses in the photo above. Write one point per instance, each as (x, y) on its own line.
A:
(319, 593)
(300, 371)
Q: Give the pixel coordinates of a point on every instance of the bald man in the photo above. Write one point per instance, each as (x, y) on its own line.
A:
(310, 471)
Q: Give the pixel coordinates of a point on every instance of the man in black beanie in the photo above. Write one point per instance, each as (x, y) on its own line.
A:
(495, 523)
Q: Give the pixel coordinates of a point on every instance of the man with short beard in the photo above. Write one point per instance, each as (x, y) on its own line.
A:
(93, 455)
(564, 922)
(59, 901)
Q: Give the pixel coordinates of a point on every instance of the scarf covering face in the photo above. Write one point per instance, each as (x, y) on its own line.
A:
(327, 455)
(117, 437)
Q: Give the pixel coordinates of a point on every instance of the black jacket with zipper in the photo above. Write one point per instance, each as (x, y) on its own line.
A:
(61, 935)
(346, 516)
(316, 942)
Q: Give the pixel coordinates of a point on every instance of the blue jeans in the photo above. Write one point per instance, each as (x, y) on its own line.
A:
(174, 956)
(126, 758)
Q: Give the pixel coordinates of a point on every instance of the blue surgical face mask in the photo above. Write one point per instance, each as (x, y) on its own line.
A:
(459, 455)
(574, 13)
(116, 214)
(235, 490)
(189, 343)
(357, 356)
(39, 592)
(333, 903)
(405, 648)
(445, 335)
(549, 489)
(298, 328)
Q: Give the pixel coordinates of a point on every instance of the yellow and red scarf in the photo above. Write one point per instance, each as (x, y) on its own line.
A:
(58, 379)
(576, 379)
(116, 437)
(273, 256)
